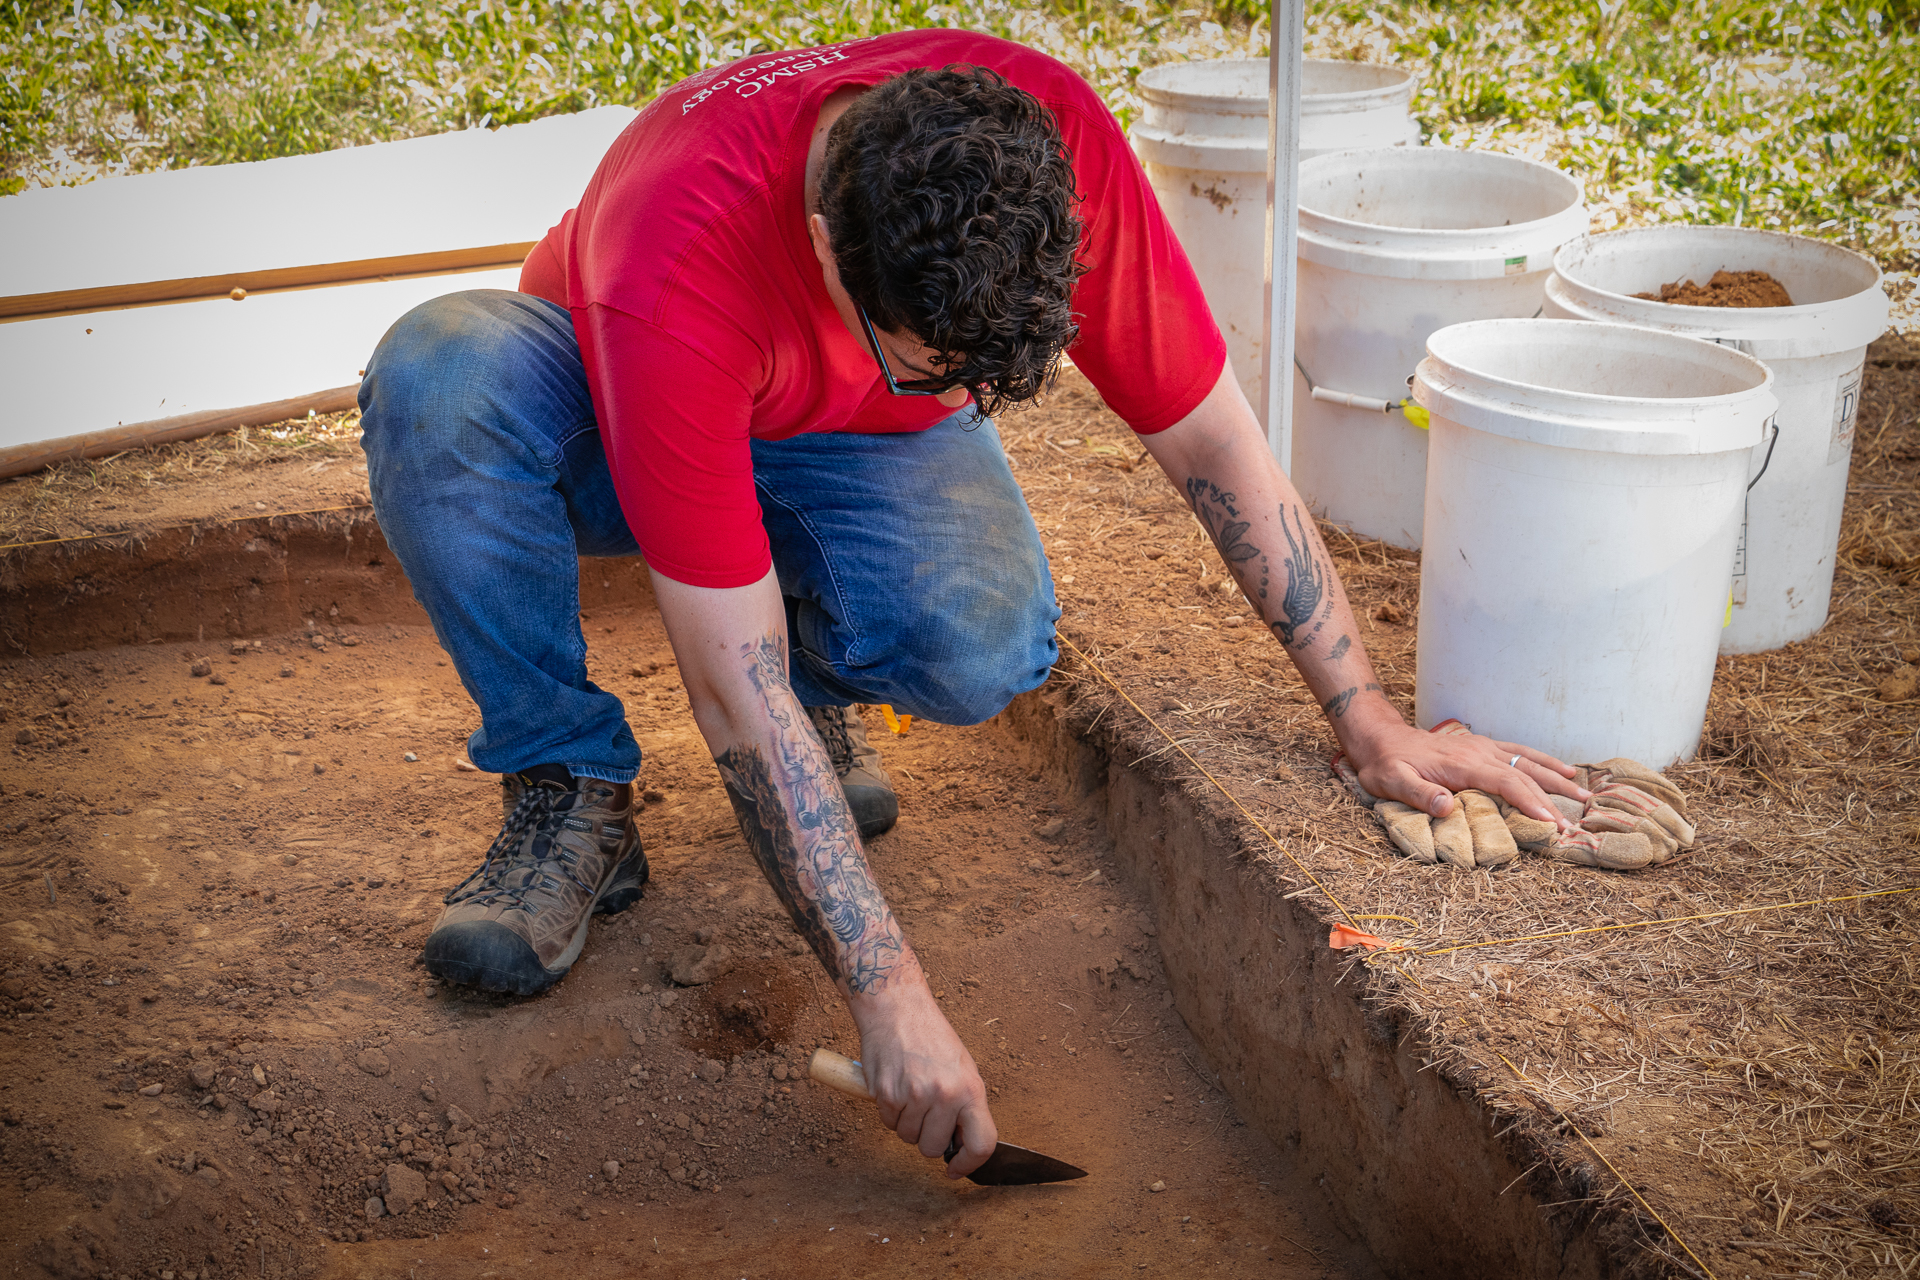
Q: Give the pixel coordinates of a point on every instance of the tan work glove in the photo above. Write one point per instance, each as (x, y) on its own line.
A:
(1636, 819)
(1473, 835)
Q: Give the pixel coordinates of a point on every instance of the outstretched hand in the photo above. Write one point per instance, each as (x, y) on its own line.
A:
(923, 1079)
(1424, 770)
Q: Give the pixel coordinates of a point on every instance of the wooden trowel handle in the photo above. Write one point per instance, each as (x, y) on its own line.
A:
(839, 1072)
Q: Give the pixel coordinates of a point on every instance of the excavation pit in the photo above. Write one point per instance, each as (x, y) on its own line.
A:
(204, 880)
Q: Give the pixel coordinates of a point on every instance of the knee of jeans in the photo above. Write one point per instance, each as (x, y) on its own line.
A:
(972, 672)
(424, 363)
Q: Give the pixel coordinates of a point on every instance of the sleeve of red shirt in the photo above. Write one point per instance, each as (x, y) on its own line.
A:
(679, 452)
(1148, 341)
(541, 274)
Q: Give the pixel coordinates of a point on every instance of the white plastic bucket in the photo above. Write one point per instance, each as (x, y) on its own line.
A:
(1583, 502)
(1395, 244)
(1203, 139)
(1817, 349)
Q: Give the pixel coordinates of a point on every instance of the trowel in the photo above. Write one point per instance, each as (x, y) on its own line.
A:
(1008, 1166)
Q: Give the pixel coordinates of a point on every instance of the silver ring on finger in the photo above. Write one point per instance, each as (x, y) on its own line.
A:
(1514, 763)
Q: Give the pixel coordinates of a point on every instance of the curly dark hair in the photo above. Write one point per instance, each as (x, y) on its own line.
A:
(949, 197)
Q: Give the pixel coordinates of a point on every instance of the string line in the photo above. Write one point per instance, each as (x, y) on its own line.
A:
(1401, 948)
(1599, 1155)
(1647, 924)
(1354, 920)
(1218, 785)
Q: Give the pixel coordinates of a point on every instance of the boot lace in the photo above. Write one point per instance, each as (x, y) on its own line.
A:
(831, 724)
(524, 852)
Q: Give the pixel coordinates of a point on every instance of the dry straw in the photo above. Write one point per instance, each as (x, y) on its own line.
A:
(1746, 1015)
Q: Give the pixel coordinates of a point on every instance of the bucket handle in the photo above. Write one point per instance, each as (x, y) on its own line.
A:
(1353, 400)
(1772, 440)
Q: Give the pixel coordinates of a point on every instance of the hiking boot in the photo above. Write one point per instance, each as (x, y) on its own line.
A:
(869, 792)
(631, 872)
(562, 856)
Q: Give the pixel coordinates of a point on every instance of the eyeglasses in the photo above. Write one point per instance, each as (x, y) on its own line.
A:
(912, 386)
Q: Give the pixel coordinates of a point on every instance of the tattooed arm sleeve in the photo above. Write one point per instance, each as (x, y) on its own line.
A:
(797, 824)
(1282, 565)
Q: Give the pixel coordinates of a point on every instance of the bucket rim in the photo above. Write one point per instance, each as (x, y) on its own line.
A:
(1149, 88)
(1338, 231)
(1539, 323)
(1803, 330)
(1534, 413)
(1562, 257)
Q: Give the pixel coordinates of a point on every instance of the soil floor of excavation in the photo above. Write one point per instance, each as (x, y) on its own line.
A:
(218, 1047)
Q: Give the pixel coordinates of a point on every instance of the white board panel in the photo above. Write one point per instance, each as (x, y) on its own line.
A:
(70, 375)
(388, 203)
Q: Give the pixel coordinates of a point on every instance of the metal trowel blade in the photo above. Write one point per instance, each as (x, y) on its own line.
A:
(1011, 1166)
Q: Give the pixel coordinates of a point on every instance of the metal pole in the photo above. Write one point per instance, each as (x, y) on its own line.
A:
(1287, 34)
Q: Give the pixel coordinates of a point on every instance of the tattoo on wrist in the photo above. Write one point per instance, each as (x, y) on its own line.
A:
(797, 826)
(1337, 705)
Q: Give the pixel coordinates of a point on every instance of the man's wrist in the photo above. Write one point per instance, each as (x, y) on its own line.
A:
(1368, 724)
(905, 994)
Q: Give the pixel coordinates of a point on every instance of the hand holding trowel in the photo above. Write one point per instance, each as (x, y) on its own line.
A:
(1008, 1166)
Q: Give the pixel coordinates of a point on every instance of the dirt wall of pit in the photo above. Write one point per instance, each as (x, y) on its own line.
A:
(234, 581)
(1409, 1160)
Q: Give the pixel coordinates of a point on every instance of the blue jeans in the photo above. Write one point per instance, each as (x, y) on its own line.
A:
(912, 571)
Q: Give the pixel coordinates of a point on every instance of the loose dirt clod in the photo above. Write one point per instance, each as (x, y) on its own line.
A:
(1725, 289)
(697, 966)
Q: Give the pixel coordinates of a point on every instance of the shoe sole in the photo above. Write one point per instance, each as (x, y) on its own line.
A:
(624, 892)
(874, 809)
(520, 972)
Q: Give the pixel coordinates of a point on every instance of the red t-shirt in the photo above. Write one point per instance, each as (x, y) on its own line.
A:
(703, 320)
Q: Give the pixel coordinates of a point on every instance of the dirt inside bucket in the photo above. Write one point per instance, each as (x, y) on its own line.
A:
(220, 1057)
(1725, 289)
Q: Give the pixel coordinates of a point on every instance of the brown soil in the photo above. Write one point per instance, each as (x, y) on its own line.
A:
(249, 477)
(218, 1046)
(1750, 1077)
(1726, 289)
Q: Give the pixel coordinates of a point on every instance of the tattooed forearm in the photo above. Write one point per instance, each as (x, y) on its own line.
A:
(1307, 601)
(1306, 584)
(796, 823)
(1216, 512)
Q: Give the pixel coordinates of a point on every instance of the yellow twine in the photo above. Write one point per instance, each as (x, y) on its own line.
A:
(1646, 924)
(1495, 942)
(1399, 948)
(1218, 785)
(1601, 1157)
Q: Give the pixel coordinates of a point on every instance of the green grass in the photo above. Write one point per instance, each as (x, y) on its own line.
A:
(1795, 116)
(88, 87)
